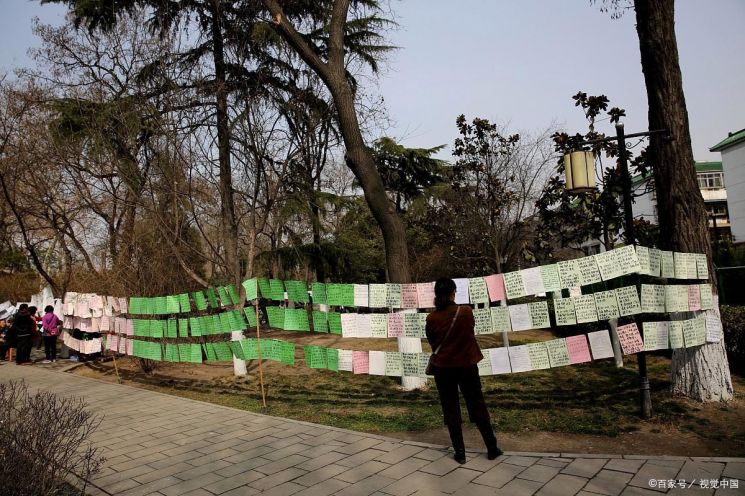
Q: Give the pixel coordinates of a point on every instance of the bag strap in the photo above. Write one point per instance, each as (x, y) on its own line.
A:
(457, 311)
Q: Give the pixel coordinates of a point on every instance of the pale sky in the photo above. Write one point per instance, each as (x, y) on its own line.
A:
(519, 62)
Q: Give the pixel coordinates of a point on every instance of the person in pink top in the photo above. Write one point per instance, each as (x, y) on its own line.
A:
(50, 324)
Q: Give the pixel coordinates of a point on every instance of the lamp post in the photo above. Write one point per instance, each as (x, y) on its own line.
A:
(576, 184)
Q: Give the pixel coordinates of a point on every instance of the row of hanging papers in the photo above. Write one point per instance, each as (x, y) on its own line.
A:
(523, 358)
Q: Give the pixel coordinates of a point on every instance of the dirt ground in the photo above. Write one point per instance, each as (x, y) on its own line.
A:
(377, 405)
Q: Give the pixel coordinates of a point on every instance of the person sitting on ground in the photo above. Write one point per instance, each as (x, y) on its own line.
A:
(50, 324)
(455, 355)
(24, 329)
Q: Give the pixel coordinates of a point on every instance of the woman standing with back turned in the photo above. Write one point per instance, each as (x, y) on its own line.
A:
(455, 355)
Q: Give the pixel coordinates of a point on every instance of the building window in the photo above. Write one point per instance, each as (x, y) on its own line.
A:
(710, 180)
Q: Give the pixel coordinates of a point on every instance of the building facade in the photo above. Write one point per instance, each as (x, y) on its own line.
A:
(732, 149)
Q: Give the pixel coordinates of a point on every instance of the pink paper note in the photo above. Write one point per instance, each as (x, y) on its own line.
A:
(631, 340)
(95, 324)
(96, 302)
(114, 302)
(105, 324)
(694, 298)
(409, 296)
(130, 328)
(129, 346)
(579, 352)
(425, 294)
(113, 343)
(495, 285)
(360, 362)
(395, 325)
(123, 305)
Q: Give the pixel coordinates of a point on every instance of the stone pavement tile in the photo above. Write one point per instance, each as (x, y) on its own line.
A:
(638, 491)
(472, 489)
(193, 445)
(700, 470)
(539, 473)
(259, 451)
(216, 447)
(366, 486)
(562, 485)
(440, 467)
(162, 472)
(230, 483)
(349, 438)
(120, 476)
(630, 466)
(293, 449)
(388, 446)
(197, 492)
(120, 486)
(662, 462)
(651, 471)
(585, 467)
(593, 455)
(523, 461)
(244, 466)
(314, 451)
(358, 446)
(692, 491)
(213, 457)
(456, 479)
(150, 487)
(279, 465)
(321, 461)
(329, 486)
(404, 468)
(277, 478)
(189, 485)
(197, 472)
(173, 460)
(608, 482)
(519, 487)
(499, 475)
(360, 458)
(430, 454)
(285, 442)
(735, 471)
(552, 462)
(417, 481)
(241, 491)
(284, 489)
(320, 475)
(480, 462)
(356, 474)
(398, 454)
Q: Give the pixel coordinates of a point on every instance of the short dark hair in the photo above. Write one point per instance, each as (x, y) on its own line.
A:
(48, 308)
(444, 287)
(32, 310)
(23, 306)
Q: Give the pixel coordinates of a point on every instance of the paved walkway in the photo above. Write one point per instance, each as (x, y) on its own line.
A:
(162, 445)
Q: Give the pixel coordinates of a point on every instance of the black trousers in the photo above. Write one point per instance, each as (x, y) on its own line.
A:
(23, 349)
(448, 380)
(50, 347)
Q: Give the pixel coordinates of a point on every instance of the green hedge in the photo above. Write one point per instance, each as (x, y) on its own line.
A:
(733, 321)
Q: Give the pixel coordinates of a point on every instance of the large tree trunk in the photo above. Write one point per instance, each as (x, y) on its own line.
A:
(358, 156)
(701, 373)
(227, 205)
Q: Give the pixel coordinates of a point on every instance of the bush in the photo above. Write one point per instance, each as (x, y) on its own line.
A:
(733, 322)
(44, 442)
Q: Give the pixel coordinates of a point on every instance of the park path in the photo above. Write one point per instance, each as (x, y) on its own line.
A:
(163, 445)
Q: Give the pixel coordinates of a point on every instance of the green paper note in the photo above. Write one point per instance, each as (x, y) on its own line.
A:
(172, 328)
(410, 364)
(287, 353)
(315, 357)
(628, 301)
(653, 298)
(183, 328)
(558, 354)
(236, 349)
(379, 325)
(250, 313)
(184, 303)
(394, 364)
(297, 291)
(477, 290)
(551, 279)
(332, 359)
(676, 335)
(250, 348)
(265, 288)
(225, 300)
(702, 266)
(642, 253)
(676, 298)
(377, 295)
(538, 354)
(655, 262)
(276, 317)
(412, 326)
(586, 308)
(157, 328)
(320, 321)
(251, 288)
(278, 289)
(200, 302)
(588, 271)
(500, 317)
(513, 284)
(334, 323)
(667, 265)
(233, 293)
(211, 297)
(538, 312)
(569, 274)
(319, 293)
(607, 305)
(564, 312)
(482, 317)
(393, 295)
(296, 320)
(173, 304)
(195, 353)
(171, 354)
(707, 297)
(195, 324)
(222, 351)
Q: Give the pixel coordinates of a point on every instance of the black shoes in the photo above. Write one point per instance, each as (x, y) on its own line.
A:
(493, 453)
(460, 457)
